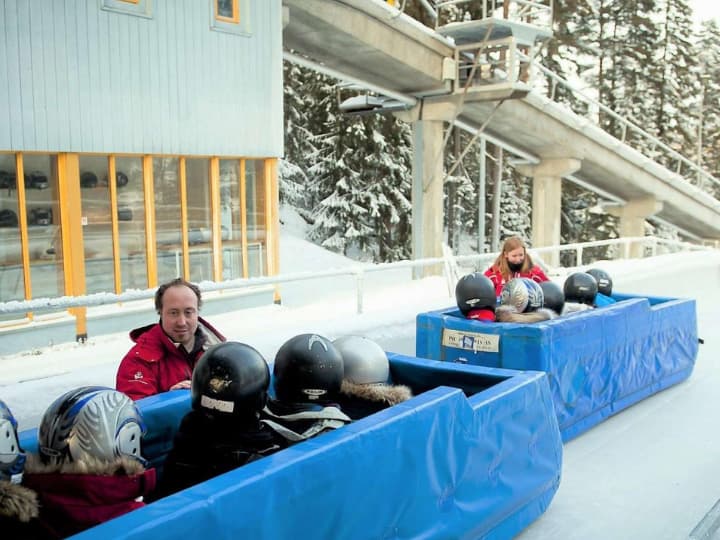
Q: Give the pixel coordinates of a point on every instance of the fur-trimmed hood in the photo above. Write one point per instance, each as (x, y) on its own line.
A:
(510, 314)
(17, 502)
(122, 466)
(390, 394)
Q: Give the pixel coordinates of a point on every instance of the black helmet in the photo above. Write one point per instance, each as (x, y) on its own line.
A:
(523, 294)
(553, 296)
(230, 378)
(308, 367)
(475, 291)
(604, 281)
(581, 288)
(12, 458)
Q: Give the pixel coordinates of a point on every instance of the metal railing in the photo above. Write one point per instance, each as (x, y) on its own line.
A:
(653, 147)
(358, 272)
(538, 13)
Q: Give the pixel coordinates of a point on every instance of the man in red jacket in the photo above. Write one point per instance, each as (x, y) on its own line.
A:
(165, 353)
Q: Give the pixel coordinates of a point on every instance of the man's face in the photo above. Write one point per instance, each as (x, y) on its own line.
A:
(179, 315)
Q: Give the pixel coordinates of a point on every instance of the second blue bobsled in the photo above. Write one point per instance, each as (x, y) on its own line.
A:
(598, 362)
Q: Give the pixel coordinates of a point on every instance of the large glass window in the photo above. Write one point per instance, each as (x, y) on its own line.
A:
(12, 285)
(44, 232)
(230, 219)
(168, 218)
(97, 224)
(131, 223)
(255, 211)
(199, 219)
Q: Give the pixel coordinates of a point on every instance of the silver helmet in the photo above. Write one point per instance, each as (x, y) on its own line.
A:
(12, 458)
(91, 421)
(523, 294)
(364, 360)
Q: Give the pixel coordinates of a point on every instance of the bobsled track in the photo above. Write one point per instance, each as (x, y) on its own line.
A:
(648, 472)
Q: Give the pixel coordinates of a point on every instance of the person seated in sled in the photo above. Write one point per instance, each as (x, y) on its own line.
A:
(223, 430)
(308, 374)
(89, 467)
(522, 301)
(513, 262)
(165, 353)
(19, 507)
(580, 291)
(476, 297)
(366, 388)
(605, 285)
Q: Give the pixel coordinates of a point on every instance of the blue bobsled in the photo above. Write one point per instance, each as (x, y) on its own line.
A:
(599, 362)
(475, 454)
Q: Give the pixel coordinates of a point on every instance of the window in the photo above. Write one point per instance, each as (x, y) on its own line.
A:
(141, 8)
(230, 16)
(227, 11)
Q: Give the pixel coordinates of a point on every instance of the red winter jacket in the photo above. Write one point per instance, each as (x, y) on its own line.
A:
(535, 273)
(72, 501)
(155, 363)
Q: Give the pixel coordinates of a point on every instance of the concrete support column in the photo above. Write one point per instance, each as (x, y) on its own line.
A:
(427, 122)
(427, 193)
(546, 201)
(632, 219)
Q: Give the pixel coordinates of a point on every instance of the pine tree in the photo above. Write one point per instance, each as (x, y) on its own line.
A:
(709, 138)
(677, 102)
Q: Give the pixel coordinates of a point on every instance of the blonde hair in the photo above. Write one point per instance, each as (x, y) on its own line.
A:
(510, 244)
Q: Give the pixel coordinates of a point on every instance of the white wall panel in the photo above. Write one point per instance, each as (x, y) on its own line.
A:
(83, 79)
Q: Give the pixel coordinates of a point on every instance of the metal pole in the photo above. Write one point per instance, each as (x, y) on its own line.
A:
(481, 198)
(497, 192)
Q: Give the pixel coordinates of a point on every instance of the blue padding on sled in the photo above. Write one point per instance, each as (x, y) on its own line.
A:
(599, 361)
(481, 460)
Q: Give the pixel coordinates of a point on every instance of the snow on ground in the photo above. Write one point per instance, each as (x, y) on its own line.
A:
(647, 473)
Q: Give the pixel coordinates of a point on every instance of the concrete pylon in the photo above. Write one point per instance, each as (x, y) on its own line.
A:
(428, 174)
(546, 200)
(632, 216)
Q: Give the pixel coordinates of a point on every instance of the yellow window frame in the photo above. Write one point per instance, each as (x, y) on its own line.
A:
(234, 19)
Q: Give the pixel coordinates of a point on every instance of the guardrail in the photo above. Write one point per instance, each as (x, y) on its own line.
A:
(652, 146)
(451, 267)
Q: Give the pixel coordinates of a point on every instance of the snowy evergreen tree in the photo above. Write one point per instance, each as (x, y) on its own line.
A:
(677, 103)
(709, 138)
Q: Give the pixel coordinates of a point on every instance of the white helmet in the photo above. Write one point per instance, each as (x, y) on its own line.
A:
(364, 360)
(91, 421)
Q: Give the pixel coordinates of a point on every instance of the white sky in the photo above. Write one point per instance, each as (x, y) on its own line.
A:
(705, 9)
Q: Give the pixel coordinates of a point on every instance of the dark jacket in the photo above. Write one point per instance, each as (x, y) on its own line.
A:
(207, 445)
(19, 513)
(361, 400)
(155, 363)
(78, 495)
(300, 421)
